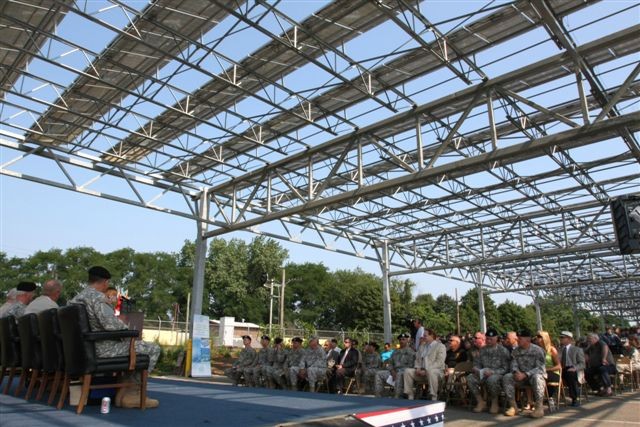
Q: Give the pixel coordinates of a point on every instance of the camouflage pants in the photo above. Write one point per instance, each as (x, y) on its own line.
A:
(255, 375)
(493, 384)
(277, 376)
(293, 376)
(536, 381)
(235, 373)
(368, 379)
(121, 348)
(311, 374)
(433, 378)
(381, 379)
(314, 375)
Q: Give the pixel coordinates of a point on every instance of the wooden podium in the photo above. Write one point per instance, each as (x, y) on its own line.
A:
(134, 321)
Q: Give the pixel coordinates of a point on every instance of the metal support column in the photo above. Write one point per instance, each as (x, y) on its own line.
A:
(200, 257)
(481, 313)
(536, 304)
(576, 322)
(386, 295)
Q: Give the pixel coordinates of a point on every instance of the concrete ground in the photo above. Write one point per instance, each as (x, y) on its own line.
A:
(213, 402)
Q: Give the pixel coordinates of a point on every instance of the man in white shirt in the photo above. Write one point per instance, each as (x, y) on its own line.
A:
(51, 291)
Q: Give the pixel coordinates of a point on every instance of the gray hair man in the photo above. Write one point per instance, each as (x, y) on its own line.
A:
(50, 293)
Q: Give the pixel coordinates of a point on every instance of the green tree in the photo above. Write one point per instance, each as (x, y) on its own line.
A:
(233, 277)
(310, 295)
(514, 317)
(469, 317)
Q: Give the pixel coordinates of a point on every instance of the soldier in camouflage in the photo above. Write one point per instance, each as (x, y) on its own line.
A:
(295, 362)
(527, 368)
(258, 374)
(17, 300)
(245, 363)
(102, 318)
(277, 373)
(314, 364)
(371, 363)
(400, 360)
(492, 363)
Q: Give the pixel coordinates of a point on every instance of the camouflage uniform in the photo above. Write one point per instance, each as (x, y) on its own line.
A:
(315, 363)
(399, 361)
(277, 372)
(15, 309)
(294, 364)
(258, 374)
(102, 318)
(246, 361)
(371, 363)
(531, 362)
(498, 360)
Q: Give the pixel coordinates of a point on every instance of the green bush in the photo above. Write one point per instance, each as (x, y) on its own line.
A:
(167, 362)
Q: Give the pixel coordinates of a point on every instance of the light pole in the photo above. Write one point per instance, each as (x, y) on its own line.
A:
(270, 286)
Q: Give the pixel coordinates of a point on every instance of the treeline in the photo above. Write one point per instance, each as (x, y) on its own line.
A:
(234, 274)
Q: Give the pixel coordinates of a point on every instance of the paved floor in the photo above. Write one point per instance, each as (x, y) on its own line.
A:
(212, 403)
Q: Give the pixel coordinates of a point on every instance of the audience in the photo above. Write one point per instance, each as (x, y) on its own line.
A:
(492, 362)
(600, 365)
(50, 294)
(551, 362)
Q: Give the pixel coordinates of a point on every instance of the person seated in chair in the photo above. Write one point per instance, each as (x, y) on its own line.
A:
(401, 359)
(429, 366)
(244, 364)
(295, 364)
(572, 362)
(600, 365)
(527, 368)
(50, 294)
(101, 318)
(313, 365)
(371, 363)
(345, 367)
(278, 370)
(488, 368)
(18, 300)
(257, 374)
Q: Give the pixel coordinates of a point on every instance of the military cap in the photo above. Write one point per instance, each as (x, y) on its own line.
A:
(524, 333)
(296, 339)
(491, 333)
(278, 340)
(566, 334)
(265, 337)
(404, 335)
(98, 271)
(247, 337)
(26, 286)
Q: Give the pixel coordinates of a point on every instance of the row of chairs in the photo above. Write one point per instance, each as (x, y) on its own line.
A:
(58, 344)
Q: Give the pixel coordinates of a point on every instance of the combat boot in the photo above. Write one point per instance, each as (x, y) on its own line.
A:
(511, 409)
(495, 406)
(538, 412)
(482, 404)
(131, 399)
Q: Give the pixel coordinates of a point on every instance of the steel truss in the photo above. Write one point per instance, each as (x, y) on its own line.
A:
(420, 153)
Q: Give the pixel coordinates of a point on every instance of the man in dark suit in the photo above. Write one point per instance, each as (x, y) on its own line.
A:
(345, 366)
(572, 362)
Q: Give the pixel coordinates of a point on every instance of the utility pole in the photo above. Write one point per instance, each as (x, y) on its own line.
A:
(457, 313)
(282, 286)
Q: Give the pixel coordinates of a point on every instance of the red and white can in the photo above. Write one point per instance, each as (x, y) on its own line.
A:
(105, 408)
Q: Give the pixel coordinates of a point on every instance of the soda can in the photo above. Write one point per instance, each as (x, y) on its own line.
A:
(106, 405)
